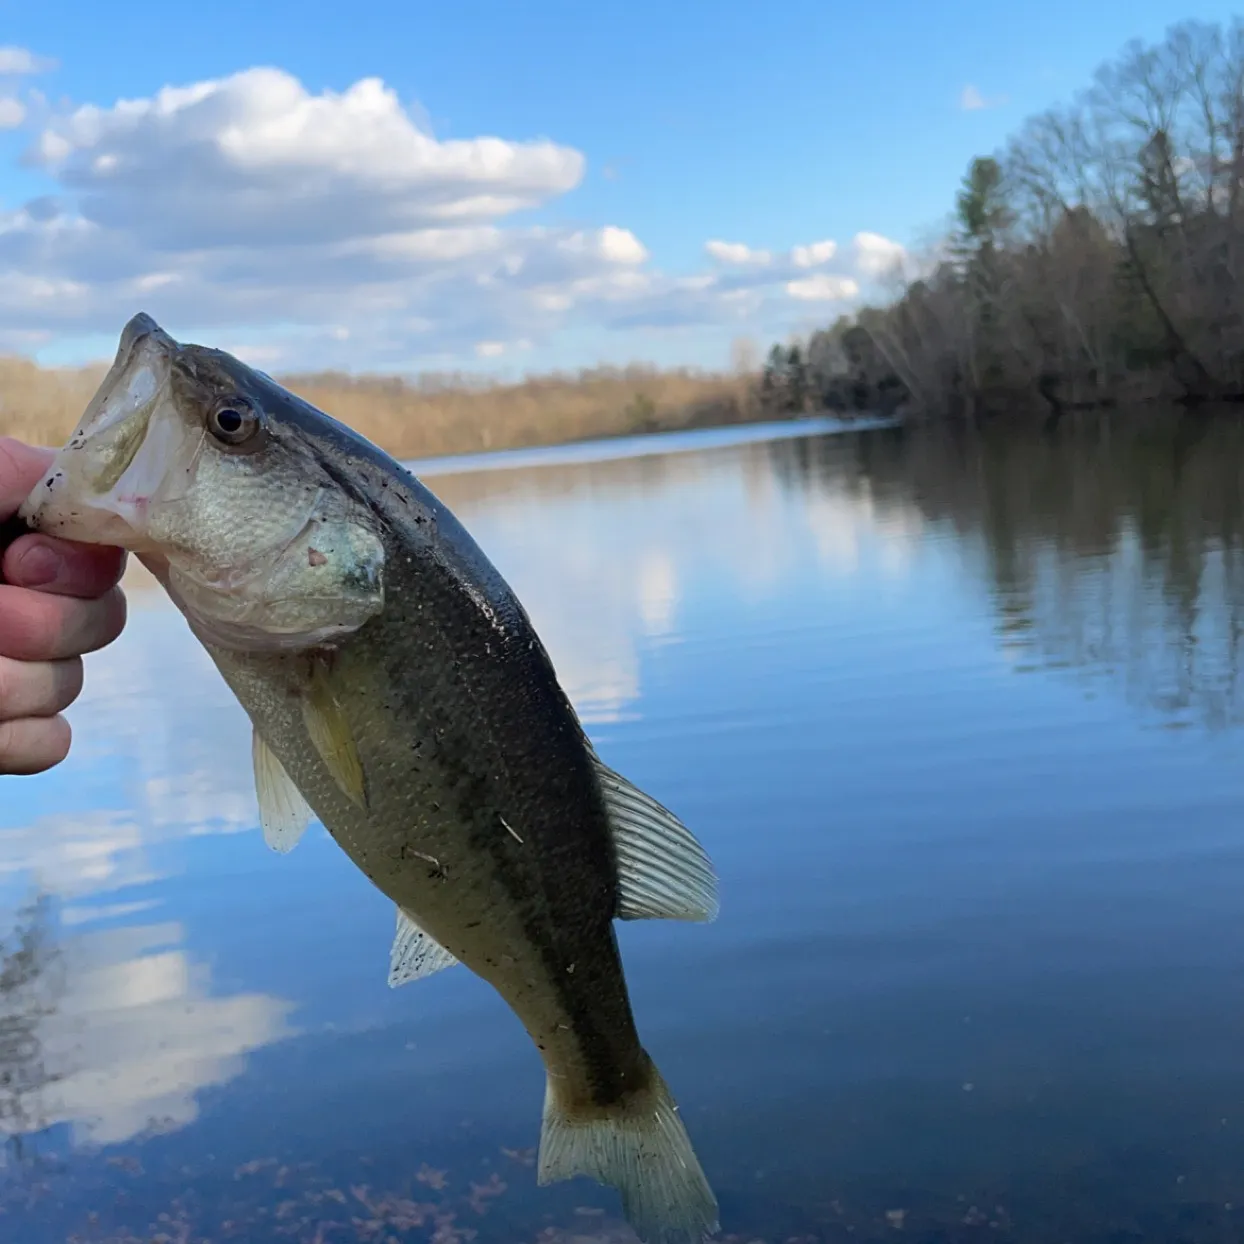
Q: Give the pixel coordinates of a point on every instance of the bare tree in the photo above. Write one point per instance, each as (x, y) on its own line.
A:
(1098, 258)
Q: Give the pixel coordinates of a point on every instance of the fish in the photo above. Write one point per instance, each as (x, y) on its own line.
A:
(398, 692)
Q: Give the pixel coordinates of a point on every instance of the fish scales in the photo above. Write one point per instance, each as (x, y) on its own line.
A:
(440, 794)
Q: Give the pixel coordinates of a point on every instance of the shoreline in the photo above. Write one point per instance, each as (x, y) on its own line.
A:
(430, 416)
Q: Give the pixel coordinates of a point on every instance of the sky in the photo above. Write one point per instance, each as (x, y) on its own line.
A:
(500, 187)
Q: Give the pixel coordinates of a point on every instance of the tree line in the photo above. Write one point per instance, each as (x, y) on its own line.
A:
(1097, 260)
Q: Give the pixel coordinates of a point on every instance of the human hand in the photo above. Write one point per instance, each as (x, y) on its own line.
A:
(57, 601)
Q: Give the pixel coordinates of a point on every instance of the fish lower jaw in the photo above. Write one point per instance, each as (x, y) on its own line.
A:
(84, 524)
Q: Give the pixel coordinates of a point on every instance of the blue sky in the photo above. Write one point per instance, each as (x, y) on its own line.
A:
(768, 127)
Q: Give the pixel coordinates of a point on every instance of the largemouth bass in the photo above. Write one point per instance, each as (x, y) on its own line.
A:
(398, 692)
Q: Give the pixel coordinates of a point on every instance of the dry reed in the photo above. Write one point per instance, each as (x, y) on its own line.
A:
(434, 415)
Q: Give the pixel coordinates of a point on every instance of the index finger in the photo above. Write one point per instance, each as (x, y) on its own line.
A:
(20, 468)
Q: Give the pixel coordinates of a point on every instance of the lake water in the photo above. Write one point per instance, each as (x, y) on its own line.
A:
(957, 719)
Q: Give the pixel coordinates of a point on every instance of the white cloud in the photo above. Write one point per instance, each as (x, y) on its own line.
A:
(12, 112)
(22, 62)
(735, 253)
(255, 156)
(621, 246)
(875, 255)
(823, 287)
(815, 254)
(793, 273)
(495, 349)
(341, 231)
(16, 62)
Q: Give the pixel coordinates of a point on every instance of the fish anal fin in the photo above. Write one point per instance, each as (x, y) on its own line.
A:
(663, 872)
(415, 954)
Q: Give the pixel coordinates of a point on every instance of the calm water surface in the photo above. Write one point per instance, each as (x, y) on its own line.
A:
(958, 722)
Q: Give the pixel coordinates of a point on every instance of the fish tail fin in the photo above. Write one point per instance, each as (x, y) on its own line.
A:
(639, 1147)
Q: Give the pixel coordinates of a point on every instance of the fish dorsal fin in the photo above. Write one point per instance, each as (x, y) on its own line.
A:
(663, 872)
(331, 736)
(415, 954)
(283, 813)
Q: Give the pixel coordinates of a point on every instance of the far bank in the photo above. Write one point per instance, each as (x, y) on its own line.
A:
(426, 417)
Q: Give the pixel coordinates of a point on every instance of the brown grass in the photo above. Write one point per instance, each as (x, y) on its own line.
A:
(41, 405)
(434, 415)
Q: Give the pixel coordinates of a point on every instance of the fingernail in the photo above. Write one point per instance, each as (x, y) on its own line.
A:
(39, 566)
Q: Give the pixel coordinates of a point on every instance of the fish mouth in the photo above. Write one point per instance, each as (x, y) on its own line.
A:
(101, 481)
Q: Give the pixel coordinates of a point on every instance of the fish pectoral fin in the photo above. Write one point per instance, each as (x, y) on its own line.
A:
(283, 813)
(415, 954)
(663, 872)
(332, 738)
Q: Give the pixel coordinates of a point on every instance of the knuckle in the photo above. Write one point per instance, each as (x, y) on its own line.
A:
(98, 622)
(29, 625)
(70, 683)
(115, 609)
(61, 740)
(8, 743)
(33, 745)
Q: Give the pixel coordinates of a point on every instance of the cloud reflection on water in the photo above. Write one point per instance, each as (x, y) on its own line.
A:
(139, 1029)
(604, 553)
(139, 1033)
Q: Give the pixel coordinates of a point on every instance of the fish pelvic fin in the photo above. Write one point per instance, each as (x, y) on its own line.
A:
(663, 872)
(639, 1147)
(283, 813)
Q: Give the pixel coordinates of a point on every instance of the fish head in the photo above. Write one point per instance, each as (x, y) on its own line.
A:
(217, 479)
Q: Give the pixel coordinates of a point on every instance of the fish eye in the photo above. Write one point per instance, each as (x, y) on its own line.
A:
(234, 422)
